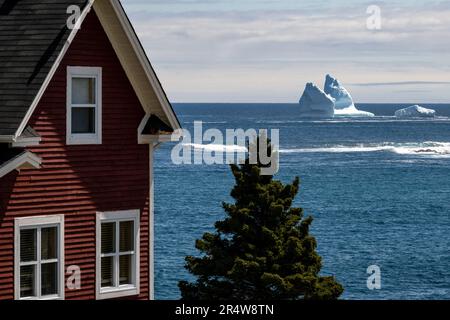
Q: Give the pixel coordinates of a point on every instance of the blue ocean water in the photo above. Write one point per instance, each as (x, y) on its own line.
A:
(378, 188)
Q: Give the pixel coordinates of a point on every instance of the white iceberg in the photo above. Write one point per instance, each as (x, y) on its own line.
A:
(415, 111)
(315, 103)
(343, 98)
(344, 105)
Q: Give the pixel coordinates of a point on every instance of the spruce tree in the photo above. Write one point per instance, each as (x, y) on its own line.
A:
(262, 250)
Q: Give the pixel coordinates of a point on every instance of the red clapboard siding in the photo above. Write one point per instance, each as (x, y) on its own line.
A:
(79, 181)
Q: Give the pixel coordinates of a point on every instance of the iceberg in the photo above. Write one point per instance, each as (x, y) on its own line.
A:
(415, 111)
(343, 98)
(315, 103)
(344, 105)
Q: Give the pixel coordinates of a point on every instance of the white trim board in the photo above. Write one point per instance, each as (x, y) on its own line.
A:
(151, 229)
(27, 160)
(6, 139)
(26, 142)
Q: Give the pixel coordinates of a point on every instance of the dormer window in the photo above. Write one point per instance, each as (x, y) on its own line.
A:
(84, 105)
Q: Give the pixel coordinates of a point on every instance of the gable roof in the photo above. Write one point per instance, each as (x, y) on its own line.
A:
(154, 125)
(14, 158)
(33, 40)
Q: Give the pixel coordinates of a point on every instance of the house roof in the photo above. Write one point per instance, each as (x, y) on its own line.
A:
(15, 158)
(34, 37)
(32, 34)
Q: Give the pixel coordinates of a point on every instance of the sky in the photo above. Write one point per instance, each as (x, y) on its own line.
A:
(267, 50)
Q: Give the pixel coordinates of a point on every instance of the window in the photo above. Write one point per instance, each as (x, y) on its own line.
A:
(84, 105)
(117, 254)
(39, 258)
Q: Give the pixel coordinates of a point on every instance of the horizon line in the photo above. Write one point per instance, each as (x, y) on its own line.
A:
(212, 102)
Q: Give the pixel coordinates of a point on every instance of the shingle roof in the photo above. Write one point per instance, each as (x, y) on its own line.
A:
(32, 34)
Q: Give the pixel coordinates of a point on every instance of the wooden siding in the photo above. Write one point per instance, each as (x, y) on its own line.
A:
(79, 181)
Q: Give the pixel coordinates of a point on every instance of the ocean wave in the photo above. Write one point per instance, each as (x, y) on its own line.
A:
(428, 148)
(217, 147)
(214, 122)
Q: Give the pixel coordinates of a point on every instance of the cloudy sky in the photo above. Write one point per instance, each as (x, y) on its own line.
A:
(267, 50)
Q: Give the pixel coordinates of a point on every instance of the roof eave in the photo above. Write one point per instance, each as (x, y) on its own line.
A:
(6, 139)
(24, 160)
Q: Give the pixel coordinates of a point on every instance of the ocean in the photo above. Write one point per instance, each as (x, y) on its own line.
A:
(378, 189)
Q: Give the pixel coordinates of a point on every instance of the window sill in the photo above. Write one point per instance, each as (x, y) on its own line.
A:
(121, 292)
(47, 298)
(84, 140)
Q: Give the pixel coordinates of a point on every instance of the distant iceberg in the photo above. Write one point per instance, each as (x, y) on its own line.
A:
(415, 111)
(315, 103)
(344, 105)
(343, 98)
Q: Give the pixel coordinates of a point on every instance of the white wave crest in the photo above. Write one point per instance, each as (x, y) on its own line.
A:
(217, 147)
(428, 148)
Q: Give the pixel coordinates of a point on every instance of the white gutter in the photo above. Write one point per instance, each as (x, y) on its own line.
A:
(6, 139)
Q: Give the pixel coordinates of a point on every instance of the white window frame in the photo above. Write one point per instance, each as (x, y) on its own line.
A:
(39, 223)
(121, 290)
(84, 138)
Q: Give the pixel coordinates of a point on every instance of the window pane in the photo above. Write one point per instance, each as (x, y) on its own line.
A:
(126, 236)
(83, 91)
(83, 120)
(49, 244)
(125, 276)
(108, 237)
(49, 279)
(28, 245)
(107, 266)
(27, 281)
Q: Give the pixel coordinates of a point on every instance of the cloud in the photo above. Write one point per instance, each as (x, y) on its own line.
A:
(402, 83)
(237, 54)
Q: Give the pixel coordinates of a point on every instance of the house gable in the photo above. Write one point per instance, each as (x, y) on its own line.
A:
(16, 111)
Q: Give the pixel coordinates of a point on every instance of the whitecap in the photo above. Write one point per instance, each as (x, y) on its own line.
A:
(428, 148)
(217, 147)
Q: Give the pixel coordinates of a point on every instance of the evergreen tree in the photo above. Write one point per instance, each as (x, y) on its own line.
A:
(262, 250)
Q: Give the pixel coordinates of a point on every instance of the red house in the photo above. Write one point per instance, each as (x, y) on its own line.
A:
(81, 112)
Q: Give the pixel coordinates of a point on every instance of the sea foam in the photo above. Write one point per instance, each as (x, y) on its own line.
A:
(428, 148)
(217, 147)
